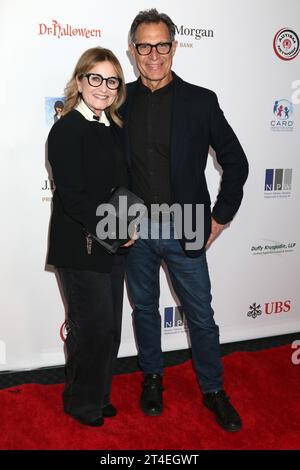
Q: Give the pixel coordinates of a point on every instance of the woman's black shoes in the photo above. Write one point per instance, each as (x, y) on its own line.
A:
(95, 422)
(109, 411)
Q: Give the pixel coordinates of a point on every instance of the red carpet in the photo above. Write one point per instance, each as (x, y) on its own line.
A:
(264, 386)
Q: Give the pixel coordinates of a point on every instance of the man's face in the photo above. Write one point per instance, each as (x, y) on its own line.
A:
(155, 68)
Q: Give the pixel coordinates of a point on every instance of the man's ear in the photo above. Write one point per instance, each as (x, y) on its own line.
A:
(174, 47)
(131, 49)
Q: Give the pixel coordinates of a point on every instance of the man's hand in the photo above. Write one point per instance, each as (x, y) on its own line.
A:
(216, 229)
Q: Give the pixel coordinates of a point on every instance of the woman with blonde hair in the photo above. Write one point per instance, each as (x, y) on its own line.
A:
(87, 163)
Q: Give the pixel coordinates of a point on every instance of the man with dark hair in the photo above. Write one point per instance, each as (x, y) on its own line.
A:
(169, 125)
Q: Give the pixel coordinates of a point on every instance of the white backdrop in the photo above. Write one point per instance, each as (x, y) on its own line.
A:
(224, 45)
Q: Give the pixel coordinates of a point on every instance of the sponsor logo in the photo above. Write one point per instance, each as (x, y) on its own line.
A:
(57, 30)
(188, 33)
(48, 185)
(64, 329)
(286, 44)
(174, 320)
(54, 106)
(273, 248)
(254, 310)
(282, 112)
(278, 182)
(278, 307)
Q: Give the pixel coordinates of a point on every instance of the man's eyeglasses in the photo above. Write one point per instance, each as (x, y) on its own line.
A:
(95, 79)
(146, 49)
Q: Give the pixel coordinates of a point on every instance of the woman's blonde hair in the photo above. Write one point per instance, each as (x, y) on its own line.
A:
(85, 63)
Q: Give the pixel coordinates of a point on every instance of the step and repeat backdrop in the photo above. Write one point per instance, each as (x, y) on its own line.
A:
(247, 52)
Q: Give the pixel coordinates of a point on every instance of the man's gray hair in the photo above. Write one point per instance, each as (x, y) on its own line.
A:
(151, 16)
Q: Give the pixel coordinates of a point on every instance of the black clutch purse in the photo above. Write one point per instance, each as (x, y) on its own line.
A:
(118, 218)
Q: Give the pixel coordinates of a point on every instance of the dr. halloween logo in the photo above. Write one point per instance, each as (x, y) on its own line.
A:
(58, 30)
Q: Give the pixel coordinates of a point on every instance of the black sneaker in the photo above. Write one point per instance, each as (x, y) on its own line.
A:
(151, 398)
(226, 416)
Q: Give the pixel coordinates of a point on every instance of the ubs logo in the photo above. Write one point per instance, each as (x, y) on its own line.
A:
(278, 307)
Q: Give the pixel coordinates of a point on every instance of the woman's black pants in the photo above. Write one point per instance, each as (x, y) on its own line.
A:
(94, 321)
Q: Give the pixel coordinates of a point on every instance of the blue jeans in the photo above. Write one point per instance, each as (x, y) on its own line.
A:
(190, 280)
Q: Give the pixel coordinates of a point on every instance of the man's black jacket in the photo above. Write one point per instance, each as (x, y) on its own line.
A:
(198, 123)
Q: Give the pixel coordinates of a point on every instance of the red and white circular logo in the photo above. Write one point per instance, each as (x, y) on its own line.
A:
(64, 330)
(286, 44)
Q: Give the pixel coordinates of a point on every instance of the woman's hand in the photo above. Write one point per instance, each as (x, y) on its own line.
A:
(132, 240)
(128, 244)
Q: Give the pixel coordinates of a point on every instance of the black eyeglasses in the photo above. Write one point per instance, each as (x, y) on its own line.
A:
(146, 49)
(95, 79)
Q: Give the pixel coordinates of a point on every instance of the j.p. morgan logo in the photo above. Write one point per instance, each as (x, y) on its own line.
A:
(278, 182)
(278, 307)
(282, 116)
(197, 33)
(286, 44)
(188, 33)
(58, 30)
(48, 185)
